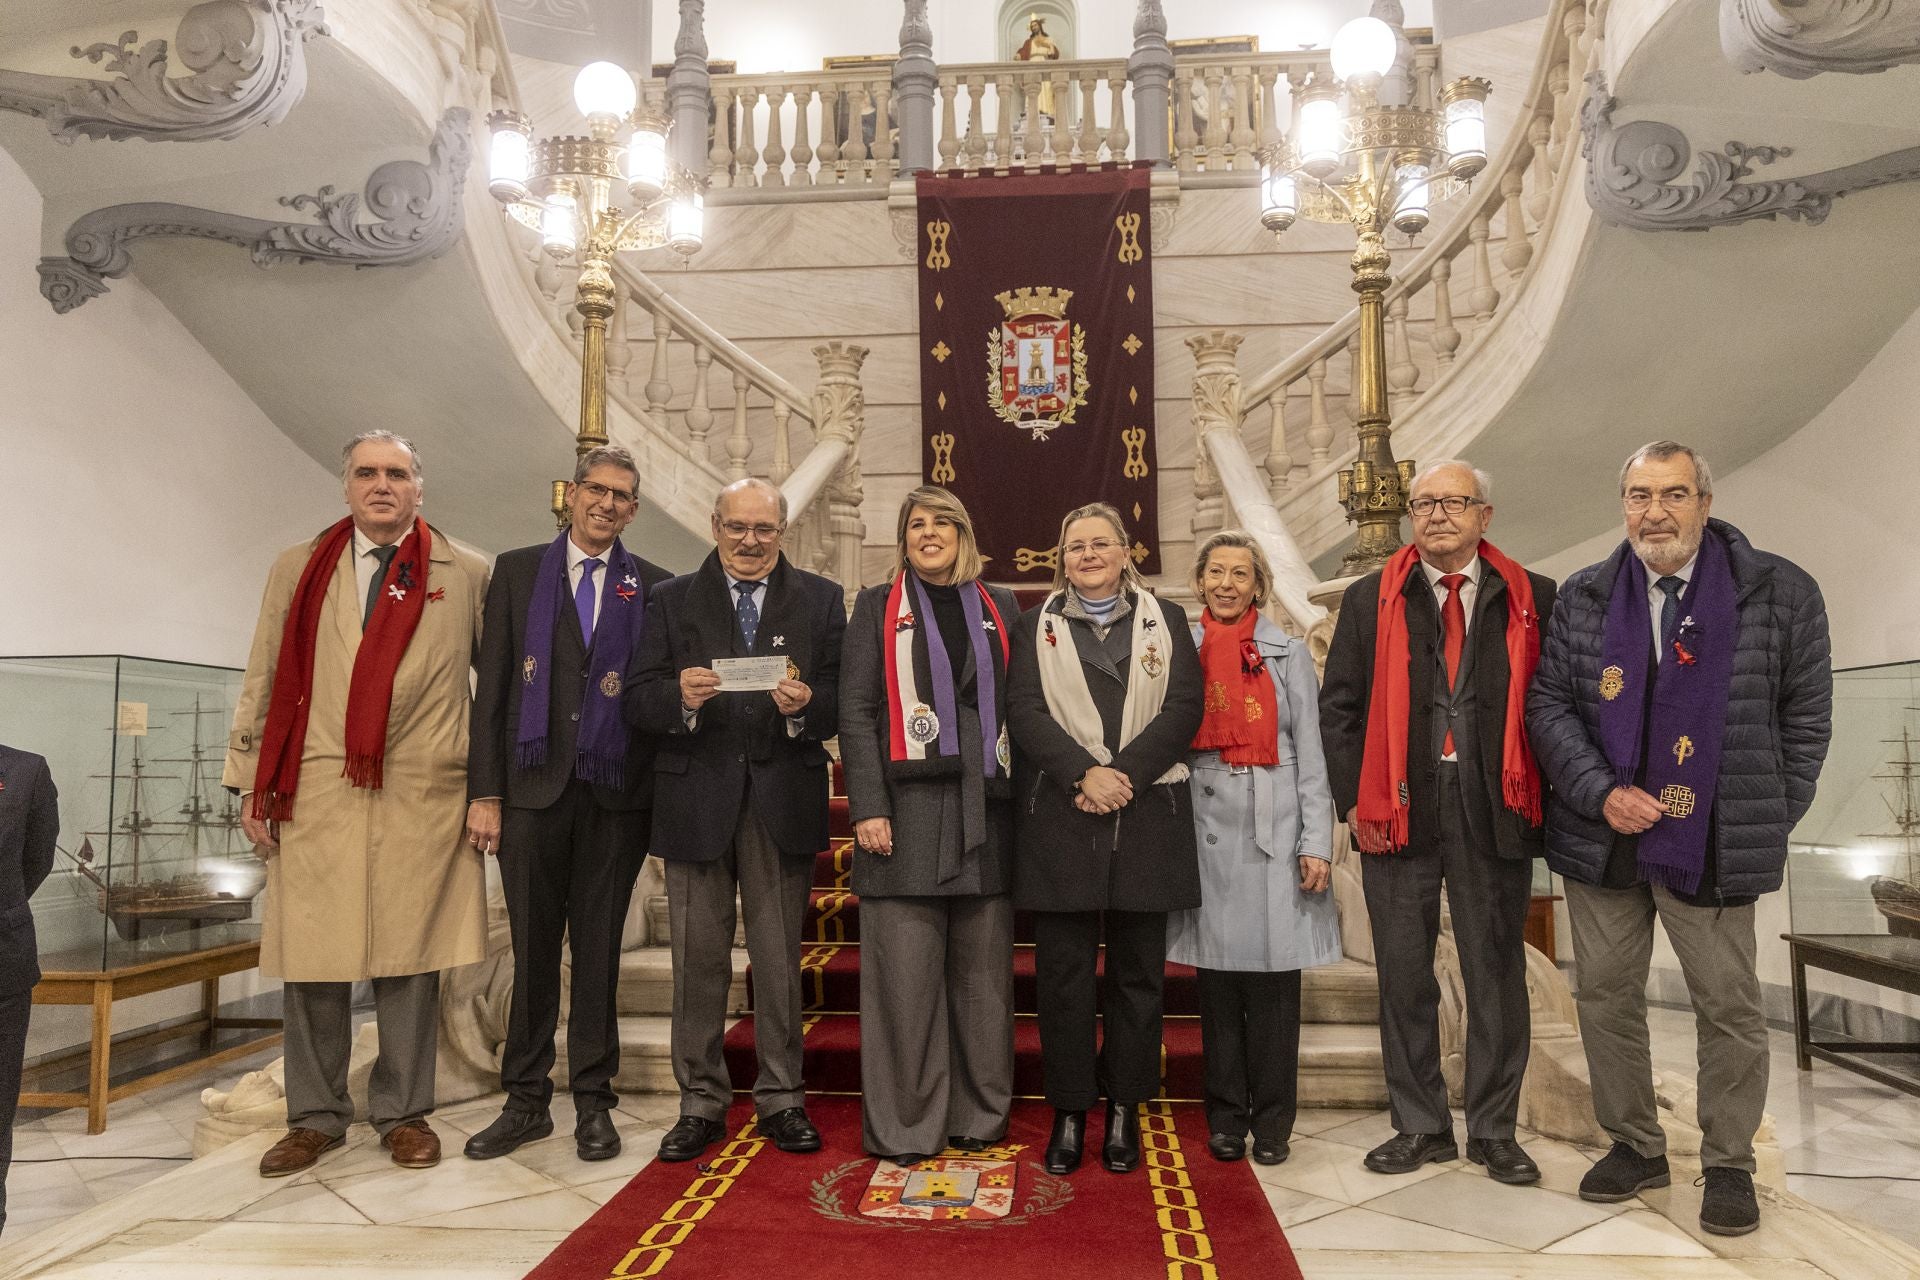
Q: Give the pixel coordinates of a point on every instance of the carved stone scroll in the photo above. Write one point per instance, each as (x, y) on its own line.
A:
(247, 67)
(1631, 168)
(416, 209)
(1800, 39)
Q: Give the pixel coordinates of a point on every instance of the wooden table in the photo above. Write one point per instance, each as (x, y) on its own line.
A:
(65, 979)
(1881, 959)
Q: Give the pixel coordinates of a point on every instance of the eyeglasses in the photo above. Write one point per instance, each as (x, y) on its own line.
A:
(1099, 547)
(1453, 505)
(1669, 500)
(764, 532)
(600, 493)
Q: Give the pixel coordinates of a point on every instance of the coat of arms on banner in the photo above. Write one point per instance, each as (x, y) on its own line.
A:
(1036, 361)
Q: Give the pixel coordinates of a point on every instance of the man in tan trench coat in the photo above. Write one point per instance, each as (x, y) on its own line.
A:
(369, 875)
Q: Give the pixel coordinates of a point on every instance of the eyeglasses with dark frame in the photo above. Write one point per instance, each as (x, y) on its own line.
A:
(738, 530)
(1453, 504)
(600, 493)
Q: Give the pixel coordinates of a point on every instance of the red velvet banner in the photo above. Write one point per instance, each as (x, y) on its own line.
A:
(1036, 357)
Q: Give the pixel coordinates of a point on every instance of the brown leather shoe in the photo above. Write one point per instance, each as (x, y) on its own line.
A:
(297, 1151)
(414, 1145)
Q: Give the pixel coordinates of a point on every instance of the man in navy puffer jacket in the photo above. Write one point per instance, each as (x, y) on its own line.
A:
(1681, 712)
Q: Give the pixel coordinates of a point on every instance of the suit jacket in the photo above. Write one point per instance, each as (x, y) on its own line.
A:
(701, 774)
(1142, 857)
(29, 823)
(372, 884)
(492, 768)
(1348, 686)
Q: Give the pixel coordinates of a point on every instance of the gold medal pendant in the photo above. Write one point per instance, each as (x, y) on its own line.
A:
(1613, 681)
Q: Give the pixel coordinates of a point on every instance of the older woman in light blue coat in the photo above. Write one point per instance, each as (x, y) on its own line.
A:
(1263, 815)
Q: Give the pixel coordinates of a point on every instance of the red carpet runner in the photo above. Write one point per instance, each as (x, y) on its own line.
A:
(749, 1210)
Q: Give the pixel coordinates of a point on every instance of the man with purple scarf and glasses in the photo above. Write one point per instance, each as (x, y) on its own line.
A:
(561, 789)
(1681, 711)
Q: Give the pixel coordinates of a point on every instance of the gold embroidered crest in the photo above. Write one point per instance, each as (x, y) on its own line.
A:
(527, 669)
(1216, 696)
(1682, 749)
(1677, 799)
(1152, 662)
(610, 684)
(1612, 682)
(1253, 708)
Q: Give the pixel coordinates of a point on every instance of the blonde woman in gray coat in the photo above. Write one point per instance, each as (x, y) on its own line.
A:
(1263, 819)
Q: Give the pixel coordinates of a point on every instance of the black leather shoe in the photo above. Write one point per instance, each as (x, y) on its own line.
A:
(1226, 1146)
(1121, 1151)
(1729, 1207)
(594, 1136)
(960, 1142)
(689, 1136)
(1405, 1152)
(1271, 1151)
(1064, 1144)
(509, 1131)
(791, 1130)
(1505, 1159)
(1622, 1173)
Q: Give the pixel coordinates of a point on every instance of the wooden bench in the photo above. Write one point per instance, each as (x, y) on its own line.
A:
(67, 979)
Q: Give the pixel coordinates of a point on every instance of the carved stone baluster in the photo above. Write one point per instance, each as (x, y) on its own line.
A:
(1216, 407)
(548, 276)
(1446, 337)
(1563, 105)
(1518, 251)
(802, 152)
(1279, 462)
(699, 414)
(949, 125)
(840, 413)
(1089, 140)
(782, 448)
(1030, 100)
(1319, 428)
(619, 354)
(1539, 178)
(1269, 78)
(660, 382)
(882, 132)
(746, 156)
(720, 159)
(1215, 142)
(1426, 60)
(1242, 136)
(853, 151)
(1059, 138)
(1484, 297)
(1185, 140)
(1117, 138)
(976, 123)
(776, 154)
(1004, 110)
(1402, 372)
(829, 149)
(1574, 23)
(739, 443)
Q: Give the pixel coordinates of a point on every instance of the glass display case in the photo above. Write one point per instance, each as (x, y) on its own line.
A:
(152, 862)
(1853, 865)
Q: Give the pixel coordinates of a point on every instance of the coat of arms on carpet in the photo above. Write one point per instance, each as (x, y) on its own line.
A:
(960, 1189)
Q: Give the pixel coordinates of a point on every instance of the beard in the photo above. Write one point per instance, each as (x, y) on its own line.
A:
(1668, 556)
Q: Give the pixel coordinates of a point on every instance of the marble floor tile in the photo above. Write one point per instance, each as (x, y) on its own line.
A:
(1291, 1208)
(302, 1202)
(404, 1195)
(250, 1250)
(148, 1134)
(1525, 1217)
(603, 1191)
(1332, 1171)
(1354, 1228)
(1638, 1231)
(558, 1158)
(549, 1211)
(1561, 1166)
(1313, 1121)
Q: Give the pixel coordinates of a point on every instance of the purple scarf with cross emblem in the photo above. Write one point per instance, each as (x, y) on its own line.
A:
(1678, 728)
(600, 751)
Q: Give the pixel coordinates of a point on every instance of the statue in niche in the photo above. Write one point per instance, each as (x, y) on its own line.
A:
(1039, 47)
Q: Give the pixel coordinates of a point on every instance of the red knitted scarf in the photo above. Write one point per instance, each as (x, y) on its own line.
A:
(369, 696)
(1241, 717)
(1381, 820)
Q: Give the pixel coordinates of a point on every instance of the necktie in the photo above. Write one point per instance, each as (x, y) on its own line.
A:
(748, 615)
(1669, 612)
(385, 556)
(1453, 619)
(583, 596)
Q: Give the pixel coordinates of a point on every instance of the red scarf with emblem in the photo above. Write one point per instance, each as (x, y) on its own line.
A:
(369, 696)
(1241, 716)
(1381, 820)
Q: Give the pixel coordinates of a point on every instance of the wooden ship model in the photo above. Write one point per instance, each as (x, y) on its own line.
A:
(1898, 897)
(178, 870)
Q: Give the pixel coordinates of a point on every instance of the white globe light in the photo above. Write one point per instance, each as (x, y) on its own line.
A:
(604, 89)
(1364, 47)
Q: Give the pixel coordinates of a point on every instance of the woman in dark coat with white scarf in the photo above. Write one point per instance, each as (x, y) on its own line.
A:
(1104, 699)
(923, 737)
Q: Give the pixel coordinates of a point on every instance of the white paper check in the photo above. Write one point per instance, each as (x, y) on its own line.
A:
(746, 675)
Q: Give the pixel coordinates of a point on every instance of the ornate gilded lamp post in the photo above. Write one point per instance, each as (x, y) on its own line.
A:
(590, 198)
(1355, 160)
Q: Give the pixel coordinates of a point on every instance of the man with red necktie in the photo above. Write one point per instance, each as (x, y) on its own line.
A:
(1423, 716)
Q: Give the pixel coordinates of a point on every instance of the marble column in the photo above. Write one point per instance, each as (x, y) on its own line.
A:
(914, 77)
(1150, 71)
